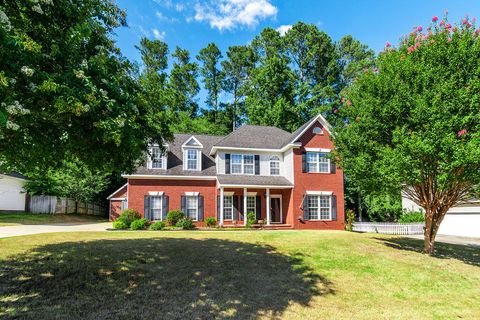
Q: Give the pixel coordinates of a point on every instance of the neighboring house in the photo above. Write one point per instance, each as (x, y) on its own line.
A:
(12, 196)
(256, 169)
(462, 220)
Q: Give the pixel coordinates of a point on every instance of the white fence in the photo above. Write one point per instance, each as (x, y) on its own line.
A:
(57, 205)
(389, 227)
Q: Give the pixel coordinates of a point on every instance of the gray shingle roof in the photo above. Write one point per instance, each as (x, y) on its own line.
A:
(175, 157)
(253, 180)
(249, 136)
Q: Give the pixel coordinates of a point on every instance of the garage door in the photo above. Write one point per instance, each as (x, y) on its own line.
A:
(461, 221)
(12, 197)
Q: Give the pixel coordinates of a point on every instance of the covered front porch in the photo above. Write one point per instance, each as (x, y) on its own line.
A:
(269, 202)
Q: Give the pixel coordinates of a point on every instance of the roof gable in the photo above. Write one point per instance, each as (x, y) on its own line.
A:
(192, 142)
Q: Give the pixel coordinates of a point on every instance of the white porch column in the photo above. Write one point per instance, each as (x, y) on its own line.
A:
(221, 206)
(268, 206)
(245, 194)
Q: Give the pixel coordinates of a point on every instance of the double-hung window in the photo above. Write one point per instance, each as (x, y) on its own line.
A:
(156, 209)
(158, 159)
(192, 207)
(318, 162)
(251, 204)
(274, 166)
(192, 159)
(228, 207)
(242, 164)
(319, 207)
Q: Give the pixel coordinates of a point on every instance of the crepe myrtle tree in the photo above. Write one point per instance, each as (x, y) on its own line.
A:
(411, 124)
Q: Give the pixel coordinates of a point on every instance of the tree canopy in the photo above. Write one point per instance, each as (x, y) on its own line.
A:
(412, 122)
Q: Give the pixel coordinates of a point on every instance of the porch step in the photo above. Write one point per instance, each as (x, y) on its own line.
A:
(274, 226)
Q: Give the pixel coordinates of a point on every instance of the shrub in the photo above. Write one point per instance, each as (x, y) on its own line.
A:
(211, 222)
(128, 216)
(174, 216)
(185, 224)
(251, 218)
(350, 220)
(119, 224)
(159, 225)
(411, 217)
(139, 224)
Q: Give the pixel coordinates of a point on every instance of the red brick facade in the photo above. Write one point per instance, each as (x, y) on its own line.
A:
(292, 199)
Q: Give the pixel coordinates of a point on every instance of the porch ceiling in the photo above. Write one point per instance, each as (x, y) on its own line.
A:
(253, 181)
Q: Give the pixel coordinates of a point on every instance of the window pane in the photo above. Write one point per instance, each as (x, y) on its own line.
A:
(156, 208)
(323, 162)
(324, 207)
(228, 207)
(248, 169)
(251, 204)
(236, 158)
(313, 207)
(274, 167)
(157, 158)
(192, 157)
(248, 159)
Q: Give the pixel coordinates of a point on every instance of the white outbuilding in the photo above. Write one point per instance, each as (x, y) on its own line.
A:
(12, 196)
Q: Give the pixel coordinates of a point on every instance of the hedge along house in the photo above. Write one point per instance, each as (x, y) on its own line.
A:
(286, 179)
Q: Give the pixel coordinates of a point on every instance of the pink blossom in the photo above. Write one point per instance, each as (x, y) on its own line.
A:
(442, 22)
(465, 21)
(388, 45)
(417, 45)
(411, 49)
(349, 103)
(335, 110)
(448, 26)
(434, 19)
(449, 39)
(462, 132)
(419, 28)
(343, 99)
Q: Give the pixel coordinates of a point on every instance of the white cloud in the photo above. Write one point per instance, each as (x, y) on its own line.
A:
(284, 28)
(229, 14)
(163, 17)
(160, 35)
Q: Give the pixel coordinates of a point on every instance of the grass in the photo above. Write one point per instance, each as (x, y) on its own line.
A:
(235, 275)
(15, 218)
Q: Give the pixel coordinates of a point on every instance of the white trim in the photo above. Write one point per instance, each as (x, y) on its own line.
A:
(283, 149)
(110, 196)
(185, 145)
(319, 118)
(164, 158)
(251, 194)
(228, 193)
(197, 209)
(185, 158)
(318, 193)
(155, 193)
(117, 199)
(253, 186)
(167, 177)
(318, 150)
(192, 194)
(242, 164)
(281, 205)
(318, 162)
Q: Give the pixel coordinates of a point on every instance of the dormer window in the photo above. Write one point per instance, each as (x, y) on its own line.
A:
(317, 130)
(158, 159)
(192, 154)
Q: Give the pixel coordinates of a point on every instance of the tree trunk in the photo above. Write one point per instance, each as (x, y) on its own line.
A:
(433, 218)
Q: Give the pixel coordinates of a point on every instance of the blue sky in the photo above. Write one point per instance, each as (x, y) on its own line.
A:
(192, 24)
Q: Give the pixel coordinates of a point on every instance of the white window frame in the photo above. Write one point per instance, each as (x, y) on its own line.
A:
(195, 197)
(275, 160)
(155, 150)
(186, 160)
(227, 207)
(242, 163)
(316, 162)
(318, 206)
(254, 204)
(160, 197)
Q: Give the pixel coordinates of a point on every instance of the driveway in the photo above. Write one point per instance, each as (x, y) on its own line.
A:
(472, 242)
(13, 231)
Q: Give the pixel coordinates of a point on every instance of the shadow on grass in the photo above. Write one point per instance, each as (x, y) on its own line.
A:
(467, 254)
(155, 278)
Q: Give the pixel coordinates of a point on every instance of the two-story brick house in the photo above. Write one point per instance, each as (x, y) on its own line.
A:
(256, 169)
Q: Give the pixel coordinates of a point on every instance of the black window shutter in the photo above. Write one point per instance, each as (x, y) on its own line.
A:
(304, 162)
(334, 208)
(218, 208)
(305, 207)
(165, 208)
(146, 207)
(200, 208)
(257, 164)
(183, 204)
(258, 213)
(227, 163)
(235, 208)
(333, 167)
(240, 216)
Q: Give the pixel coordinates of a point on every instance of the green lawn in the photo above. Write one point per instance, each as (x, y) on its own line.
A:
(235, 275)
(13, 219)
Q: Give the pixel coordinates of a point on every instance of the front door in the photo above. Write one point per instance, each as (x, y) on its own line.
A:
(275, 210)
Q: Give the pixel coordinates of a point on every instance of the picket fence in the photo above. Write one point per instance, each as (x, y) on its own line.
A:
(389, 227)
(58, 205)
